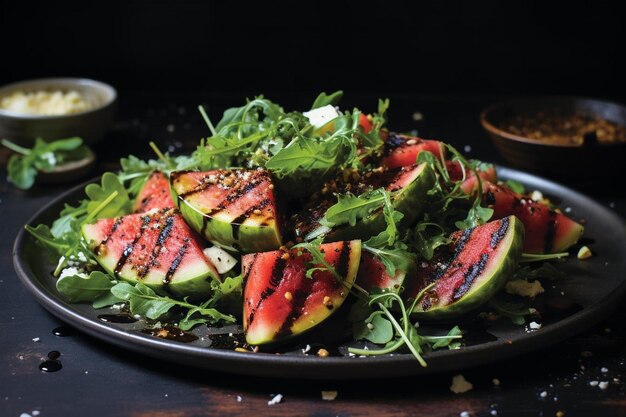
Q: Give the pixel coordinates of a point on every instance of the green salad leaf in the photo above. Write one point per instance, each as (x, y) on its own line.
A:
(24, 166)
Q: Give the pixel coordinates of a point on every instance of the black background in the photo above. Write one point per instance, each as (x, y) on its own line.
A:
(390, 47)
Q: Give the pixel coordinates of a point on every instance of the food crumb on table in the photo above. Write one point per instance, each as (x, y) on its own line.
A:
(278, 398)
(329, 395)
(460, 384)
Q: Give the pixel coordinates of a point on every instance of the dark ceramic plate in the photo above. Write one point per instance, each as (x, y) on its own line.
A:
(588, 293)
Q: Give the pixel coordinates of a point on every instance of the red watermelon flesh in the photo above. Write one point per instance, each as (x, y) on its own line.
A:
(470, 184)
(280, 301)
(373, 274)
(155, 248)
(155, 194)
(401, 150)
(547, 231)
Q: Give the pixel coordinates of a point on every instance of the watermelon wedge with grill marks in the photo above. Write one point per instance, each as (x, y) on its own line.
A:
(280, 301)
(154, 194)
(547, 231)
(235, 209)
(467, 272)
(156, 248)
(402, 150)
(409, 187)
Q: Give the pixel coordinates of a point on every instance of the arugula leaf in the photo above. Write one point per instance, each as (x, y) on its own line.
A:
(44, 237)
(515, 186)
(450, 340)
(325, 99)
(394, 258)
(143, 300)
(376, 328)
(350, 208)
(77, 288)
(23, 167)
(110, 184)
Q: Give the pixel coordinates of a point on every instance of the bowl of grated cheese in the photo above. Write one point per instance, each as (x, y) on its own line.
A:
(56, 108)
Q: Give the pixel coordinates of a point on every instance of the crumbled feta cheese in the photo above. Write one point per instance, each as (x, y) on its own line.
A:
(604, 370)
(71, 271)
(221, 259)
(593, 383)
(329, 395)
(584, 253)
(460, 384)
(239, 398)
(533, 325)
(536, 195)
(36, 339)
(322, 115)
(494, 412)
(603, 385)
(467, 148)
(543, 394)
(276, 400)
(524, 288)
(306, 349)
(35, 412)
(464, 414)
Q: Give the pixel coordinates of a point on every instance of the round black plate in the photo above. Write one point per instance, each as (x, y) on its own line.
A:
(596, 285)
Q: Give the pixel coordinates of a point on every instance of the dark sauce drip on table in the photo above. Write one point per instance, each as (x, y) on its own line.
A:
(52, 364)
(63, 331)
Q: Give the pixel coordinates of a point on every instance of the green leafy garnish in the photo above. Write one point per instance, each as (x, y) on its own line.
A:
(77, 288)
(23, 167)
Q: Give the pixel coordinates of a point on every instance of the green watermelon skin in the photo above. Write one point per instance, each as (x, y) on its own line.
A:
(235, 209)
(547, 231)
(156, 248)
(468, 272)
(281, 302)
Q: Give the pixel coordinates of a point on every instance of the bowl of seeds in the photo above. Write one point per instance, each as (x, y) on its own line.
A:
(558, 136)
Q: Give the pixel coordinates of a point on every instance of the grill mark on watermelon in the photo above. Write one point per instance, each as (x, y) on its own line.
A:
(499, 234)
(236, 194)
(164, 234)
(469, 277)
(128, 250)
(175, 263)
(394, 141)
(459, 246)
(275, 278)
(548, 238)
(343, 263)
(114, 227)
(239, 221)
(299, 299)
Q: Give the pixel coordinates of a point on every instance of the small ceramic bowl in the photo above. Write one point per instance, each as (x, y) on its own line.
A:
(90, 125)
(567, 161)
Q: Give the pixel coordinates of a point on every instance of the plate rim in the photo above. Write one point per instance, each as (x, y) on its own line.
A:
(289, 366)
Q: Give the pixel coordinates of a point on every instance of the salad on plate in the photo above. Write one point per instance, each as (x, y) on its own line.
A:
(282, 222)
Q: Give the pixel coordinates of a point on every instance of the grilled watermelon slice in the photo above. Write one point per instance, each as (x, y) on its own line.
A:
(402, 150)
(409, 187)
(156, 248)
(280, 301)
(154, 194)
(235, 209)
(469, 271)
(547, 231)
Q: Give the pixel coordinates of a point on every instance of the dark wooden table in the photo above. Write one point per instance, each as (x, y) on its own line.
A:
(98, 379)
